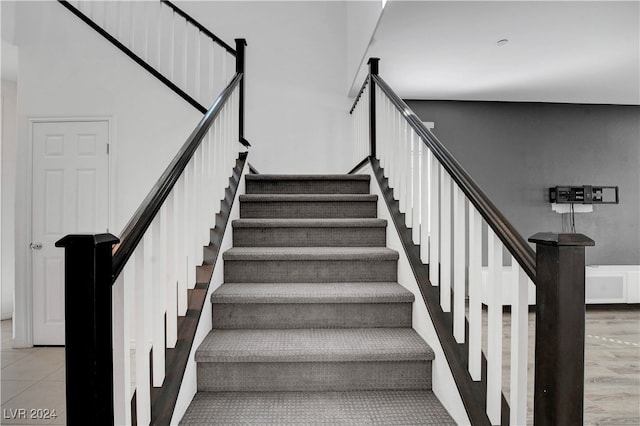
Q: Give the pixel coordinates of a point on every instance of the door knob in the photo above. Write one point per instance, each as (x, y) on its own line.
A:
(35, 246)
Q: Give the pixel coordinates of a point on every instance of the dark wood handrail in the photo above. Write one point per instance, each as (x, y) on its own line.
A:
(142, 218)
(196, 24)
(512, 240)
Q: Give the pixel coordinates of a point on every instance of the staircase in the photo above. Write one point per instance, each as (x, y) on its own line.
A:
(310, 325)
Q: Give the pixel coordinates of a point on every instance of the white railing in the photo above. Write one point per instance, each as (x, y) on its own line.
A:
(171, 44)
(153, 268)
(151, 292)
(459, 247)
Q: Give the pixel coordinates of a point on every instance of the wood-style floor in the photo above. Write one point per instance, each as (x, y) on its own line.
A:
(34, 378)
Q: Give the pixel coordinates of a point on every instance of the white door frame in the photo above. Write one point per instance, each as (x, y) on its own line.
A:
(26, 329)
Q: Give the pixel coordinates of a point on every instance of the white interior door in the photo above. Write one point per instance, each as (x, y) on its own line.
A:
(70, 196)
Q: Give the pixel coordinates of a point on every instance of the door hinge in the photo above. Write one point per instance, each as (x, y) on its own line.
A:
(107, 149)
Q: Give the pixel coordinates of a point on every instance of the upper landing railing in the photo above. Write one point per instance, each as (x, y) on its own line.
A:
(133, 302)
(167, 42)
(462, 240)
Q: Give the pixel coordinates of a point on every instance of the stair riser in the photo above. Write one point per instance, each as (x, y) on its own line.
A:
(307, 187)
(310, 237)
(308, 209)
(314, 376)
(310, 315)
(309, 271)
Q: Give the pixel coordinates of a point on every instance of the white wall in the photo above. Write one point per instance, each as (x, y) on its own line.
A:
(66, 69)
(362, 20)
(9, 65)
(7, 199)
(296, 104)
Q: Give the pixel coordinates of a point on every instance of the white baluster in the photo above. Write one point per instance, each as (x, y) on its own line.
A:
(167, 42)
(193, 68)
(153, 34)
(218, 69)
(157, 296)
(475, 294)
(459, 264)
(204, 71)
(211, 90)
(225, 69)
(210, 216)
(407, 178)
(203, 204)
(179, 60)
(197, 207)
(519, 343)
(219, 142)
(191, 213)
(425, 204)
(494, 329)
(385, 159)
(122, 305)
(445, 241)
(171, 255)
(396, 141)
(417, 190)
(403, 154)
(181, 210)
(143, 395)
(434, 237)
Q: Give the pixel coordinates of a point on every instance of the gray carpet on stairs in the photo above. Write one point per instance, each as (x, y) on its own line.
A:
(311, 325)
(318, 408)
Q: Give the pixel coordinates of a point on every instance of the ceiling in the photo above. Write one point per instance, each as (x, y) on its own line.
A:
(557, 51)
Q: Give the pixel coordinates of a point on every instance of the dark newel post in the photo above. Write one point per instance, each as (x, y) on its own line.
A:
(88, 328)
(373, 70)
(560, 321)
(240, 45)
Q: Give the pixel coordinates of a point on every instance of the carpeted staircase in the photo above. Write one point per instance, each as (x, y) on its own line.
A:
(310, 325)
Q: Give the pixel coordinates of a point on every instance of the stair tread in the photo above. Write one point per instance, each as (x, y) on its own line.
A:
(263, 177)
(377, 292)
(387, 407)
(307, 197)
(314, 345)
(313, 222)
(310, 253)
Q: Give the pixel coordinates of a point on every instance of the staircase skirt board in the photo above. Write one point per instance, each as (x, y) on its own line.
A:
(310, 325)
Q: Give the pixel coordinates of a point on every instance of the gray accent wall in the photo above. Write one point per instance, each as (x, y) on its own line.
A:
(516, 151)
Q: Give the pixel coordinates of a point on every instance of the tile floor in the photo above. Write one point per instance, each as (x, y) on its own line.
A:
(32, 383)
(34, 378)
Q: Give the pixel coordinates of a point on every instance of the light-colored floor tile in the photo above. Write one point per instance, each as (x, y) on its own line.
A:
(56, 376)
(35, 366)
(12, 388)
(39, 402)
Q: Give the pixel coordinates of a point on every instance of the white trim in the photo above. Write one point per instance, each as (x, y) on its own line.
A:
(27, 321)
